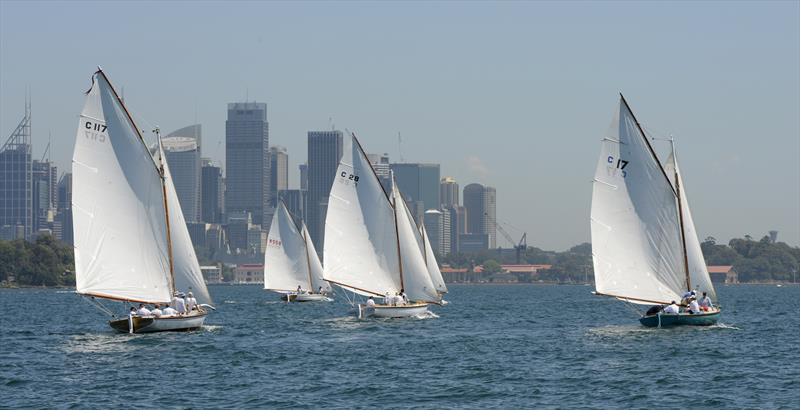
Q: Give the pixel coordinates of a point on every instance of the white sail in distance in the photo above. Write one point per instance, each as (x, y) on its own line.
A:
(286, 260)
(186, 269)
(636, 241)
(317, 272)
(430, 261)
(698, 271)
(117, 204)
(360, 249)
(416, 281)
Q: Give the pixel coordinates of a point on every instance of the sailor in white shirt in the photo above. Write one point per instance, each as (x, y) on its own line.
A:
(672, 309)
(169, 311)
(694, 307)
(191, 303)
(370, 302)
(688, 296)
(705, 302)
(142, 310)
(388, 299)
(156, 311)
(178, 303)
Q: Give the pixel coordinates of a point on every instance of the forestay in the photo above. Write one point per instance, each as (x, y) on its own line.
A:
(285, 261)
(186, 269)
(360, 249)
(698, 272)
(636, 241)
(118, 205)
(430, 261)
(416, 279)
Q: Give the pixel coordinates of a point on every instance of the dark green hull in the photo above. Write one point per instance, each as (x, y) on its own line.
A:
(683, 319)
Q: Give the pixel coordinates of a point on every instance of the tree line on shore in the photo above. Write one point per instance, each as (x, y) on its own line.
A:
(48, 262)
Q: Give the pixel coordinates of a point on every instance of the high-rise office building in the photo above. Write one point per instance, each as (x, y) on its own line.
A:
(481, 204)
(437, 225)
(211, 191)
(458, 225)
(247, 157)
(16, 185)
(448, 191)
(324, 153)
(279, 174)
(64, 213)
(44, 181)
(419, 184)
(380, 163)
(182, 149)
(303, 176)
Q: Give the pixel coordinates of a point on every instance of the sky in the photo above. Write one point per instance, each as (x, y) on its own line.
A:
(516, 95)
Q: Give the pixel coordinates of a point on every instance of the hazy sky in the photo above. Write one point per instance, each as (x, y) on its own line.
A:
(514, 95)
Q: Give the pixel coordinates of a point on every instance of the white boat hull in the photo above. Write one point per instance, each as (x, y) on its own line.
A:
(311, 297)
(386, 311)
(162, 324)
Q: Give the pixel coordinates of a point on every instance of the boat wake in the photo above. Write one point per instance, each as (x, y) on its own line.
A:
(211, 328)
(724, 326)
(427, 315)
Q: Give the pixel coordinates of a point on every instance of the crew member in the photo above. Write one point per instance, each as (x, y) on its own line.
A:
(672, 309)
(142, 310)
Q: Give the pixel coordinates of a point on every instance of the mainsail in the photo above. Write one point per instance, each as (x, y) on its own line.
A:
(360, 250)
(118, 205)
(286, 260)
(430, 260)
(637, 246)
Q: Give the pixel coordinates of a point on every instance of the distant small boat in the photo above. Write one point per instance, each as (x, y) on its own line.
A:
(644, 244)
(131, 240)
(291, 265)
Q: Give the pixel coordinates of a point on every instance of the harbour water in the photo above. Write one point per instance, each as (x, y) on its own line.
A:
(493, 346)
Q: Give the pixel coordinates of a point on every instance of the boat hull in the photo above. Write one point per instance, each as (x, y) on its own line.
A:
(682, 319)
(162, 324)
(386, 311)
(305, 297)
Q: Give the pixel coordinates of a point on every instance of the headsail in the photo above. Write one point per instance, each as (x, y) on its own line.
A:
(117, 205)
(698, 272)
(315, 266)
(636, 242)
(430, 261)
(360, 250)
(416, 281)
(285, 261)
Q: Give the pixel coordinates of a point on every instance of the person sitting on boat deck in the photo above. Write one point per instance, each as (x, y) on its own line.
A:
(133, 311)
(672, 309)
(388, 299)
(687, 297)
(705, 302)
(191, 303)
(370, 301)
(319, 290)
(178, 303)
(403, 296)
(169, 311)
(142, 310)
(156, 311)
(694, 307)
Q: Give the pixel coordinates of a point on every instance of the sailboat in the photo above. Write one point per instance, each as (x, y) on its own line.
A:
(291, 264)
(644, 244)
(432, 264)
(370, 245)
(131, 240)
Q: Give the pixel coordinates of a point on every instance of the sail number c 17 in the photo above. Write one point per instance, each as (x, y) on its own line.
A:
(620, 165)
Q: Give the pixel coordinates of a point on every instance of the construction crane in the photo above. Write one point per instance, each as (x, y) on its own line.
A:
(518, 246)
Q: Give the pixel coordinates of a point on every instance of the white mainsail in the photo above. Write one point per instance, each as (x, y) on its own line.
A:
(698, 272)
(286, 260)
(417, 281)
(636, 241)
(360, 250)
(118, 205)
(186, 269)
(315, 266)
(430, 260)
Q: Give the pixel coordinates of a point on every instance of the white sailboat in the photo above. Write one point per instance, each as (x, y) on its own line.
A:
(644, 245)
(291, 264)
(433, 265)
(370, 241)
(131, 241)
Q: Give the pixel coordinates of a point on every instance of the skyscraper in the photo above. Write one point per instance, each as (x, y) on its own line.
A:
(211, 192)
(458, 225)
(16, 217)
(182, 149)
(481, 204)
(324, 153)
(44, 180)
(279, 174)
(65, 207)
(448, 191)
(303, 176)
(419, 184)
(247, 160)
(437, 225)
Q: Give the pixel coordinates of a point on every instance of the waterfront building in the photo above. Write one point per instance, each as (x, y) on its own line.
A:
(247, 160)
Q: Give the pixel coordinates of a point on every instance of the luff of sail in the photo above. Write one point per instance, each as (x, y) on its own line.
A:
(636, 242)
(417, 281)
(186, 269)
(430, 261)
(286, 261)
(698, 272)
(360, 249)
(117, 204)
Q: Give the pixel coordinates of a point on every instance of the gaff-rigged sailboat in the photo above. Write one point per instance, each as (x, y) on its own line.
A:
(131, 241)
(370, 246)
(644, 245)
(291, 264)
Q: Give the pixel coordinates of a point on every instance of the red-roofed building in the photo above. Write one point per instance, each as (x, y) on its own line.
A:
(723, 274)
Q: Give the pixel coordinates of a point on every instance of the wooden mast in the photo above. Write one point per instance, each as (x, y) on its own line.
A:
(680, 218)
(397, 236)
(166, 211)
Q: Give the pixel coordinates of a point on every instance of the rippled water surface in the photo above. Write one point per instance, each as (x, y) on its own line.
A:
(492, 346)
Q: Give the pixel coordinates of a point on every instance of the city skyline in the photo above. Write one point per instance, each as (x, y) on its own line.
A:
(530, 117)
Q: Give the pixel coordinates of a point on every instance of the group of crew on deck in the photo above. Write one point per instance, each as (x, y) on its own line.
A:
(690, 303)
(182, 304)
(398, 299)
(301, 291)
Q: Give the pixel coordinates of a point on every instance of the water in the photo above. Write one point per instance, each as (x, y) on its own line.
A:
(493, 346)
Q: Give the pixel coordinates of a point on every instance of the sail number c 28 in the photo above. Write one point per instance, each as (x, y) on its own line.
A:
(349, 177)
(621, 164)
